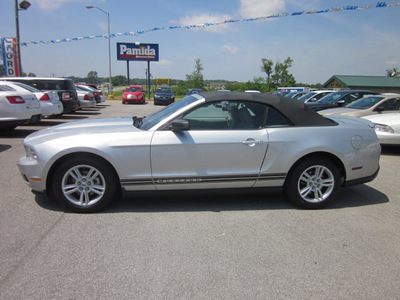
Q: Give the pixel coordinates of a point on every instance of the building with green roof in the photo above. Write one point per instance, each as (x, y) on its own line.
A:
(381, 84)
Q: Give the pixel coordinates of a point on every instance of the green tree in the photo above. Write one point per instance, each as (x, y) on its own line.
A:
(267, 68)
(119, 80)
(195, 80)
(31, 74)
(92, 77)
(278, 75)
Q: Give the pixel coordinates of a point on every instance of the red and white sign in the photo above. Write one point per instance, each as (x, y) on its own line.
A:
(10, 61)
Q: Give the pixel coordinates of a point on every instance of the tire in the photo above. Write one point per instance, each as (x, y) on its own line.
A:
(84, 184)
(313, 183)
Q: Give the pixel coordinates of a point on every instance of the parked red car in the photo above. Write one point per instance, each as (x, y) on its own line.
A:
(133, 94)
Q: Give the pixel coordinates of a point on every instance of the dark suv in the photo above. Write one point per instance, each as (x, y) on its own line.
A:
(64, 87)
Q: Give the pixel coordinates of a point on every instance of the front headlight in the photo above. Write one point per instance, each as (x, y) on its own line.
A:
(31, 153)
(384, 128)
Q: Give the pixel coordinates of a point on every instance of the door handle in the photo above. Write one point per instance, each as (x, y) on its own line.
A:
(252, 142)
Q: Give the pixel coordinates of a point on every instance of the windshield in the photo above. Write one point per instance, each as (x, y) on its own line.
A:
(306, 96)
(331, 98)
(27, 87)
(133, 89)
(364, 103)
(154, 119)
(164, 90)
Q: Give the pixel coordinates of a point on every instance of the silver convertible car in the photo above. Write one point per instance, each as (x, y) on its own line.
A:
(212, 140)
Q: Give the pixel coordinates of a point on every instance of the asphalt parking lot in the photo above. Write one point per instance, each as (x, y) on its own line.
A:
(183, 246)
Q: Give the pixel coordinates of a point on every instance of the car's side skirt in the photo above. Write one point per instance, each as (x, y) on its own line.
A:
(201, 181)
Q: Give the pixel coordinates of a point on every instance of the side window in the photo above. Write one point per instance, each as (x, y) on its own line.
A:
(391, 104)
(351, 97)
(276, 119)
(227, 115)
(320, 95)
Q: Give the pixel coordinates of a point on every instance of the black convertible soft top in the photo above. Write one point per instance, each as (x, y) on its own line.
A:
(296, 111)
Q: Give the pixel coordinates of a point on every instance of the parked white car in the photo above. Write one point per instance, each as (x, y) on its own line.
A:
(17, 106)
(387, 127)
(49, 101)
(85, 97)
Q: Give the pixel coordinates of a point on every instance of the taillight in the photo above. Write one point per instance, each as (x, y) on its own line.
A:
(66, 96)
(95, 94)
(45, 97)
(15, 99)
(86, 97)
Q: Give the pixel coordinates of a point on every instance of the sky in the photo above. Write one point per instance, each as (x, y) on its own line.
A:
(351, 42)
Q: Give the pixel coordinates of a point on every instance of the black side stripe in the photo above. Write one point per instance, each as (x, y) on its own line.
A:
(202, 179)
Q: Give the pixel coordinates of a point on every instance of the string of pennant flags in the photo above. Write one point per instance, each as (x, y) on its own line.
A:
(208, 24)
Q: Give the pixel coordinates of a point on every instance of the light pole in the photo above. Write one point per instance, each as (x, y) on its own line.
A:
(109, 47)
(24, 5)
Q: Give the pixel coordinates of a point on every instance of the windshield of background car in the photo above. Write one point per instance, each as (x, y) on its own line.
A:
(46, 85)
(27, 87)
(6, 88)
(164, 90)
(133, 89)
(306, 96)
(154, 119)
(365, 103)
(331, 98)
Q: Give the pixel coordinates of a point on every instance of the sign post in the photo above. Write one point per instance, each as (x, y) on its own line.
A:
(138, 52)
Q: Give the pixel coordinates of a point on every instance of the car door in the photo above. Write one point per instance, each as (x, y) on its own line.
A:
(224, 147)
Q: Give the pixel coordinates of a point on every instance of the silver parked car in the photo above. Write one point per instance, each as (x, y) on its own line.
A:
(213, 140)
(50, 103)
(85, 97)
(17, 106)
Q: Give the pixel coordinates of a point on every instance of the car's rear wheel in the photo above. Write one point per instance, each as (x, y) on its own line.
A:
(84, 184)
(313, 183)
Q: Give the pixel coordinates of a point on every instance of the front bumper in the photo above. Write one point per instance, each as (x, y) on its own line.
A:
(31, 172)
(163, 100)
(133, 100)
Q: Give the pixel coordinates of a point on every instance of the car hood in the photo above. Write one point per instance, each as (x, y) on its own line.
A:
(386, 119)
(86, 127)
(349, 119)
(336, 111)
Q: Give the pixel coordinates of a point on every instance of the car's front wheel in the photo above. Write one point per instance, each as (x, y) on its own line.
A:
(313, 183)
(84, 184)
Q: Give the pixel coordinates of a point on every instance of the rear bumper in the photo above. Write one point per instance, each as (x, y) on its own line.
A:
(70, 105)
(362, 180)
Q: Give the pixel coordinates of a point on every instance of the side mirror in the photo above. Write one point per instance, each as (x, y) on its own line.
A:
(379, 109)
(341, 102)
(313, 100)
(180, 125)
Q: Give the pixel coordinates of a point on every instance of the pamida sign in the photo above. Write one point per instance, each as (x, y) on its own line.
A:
(137, 51)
